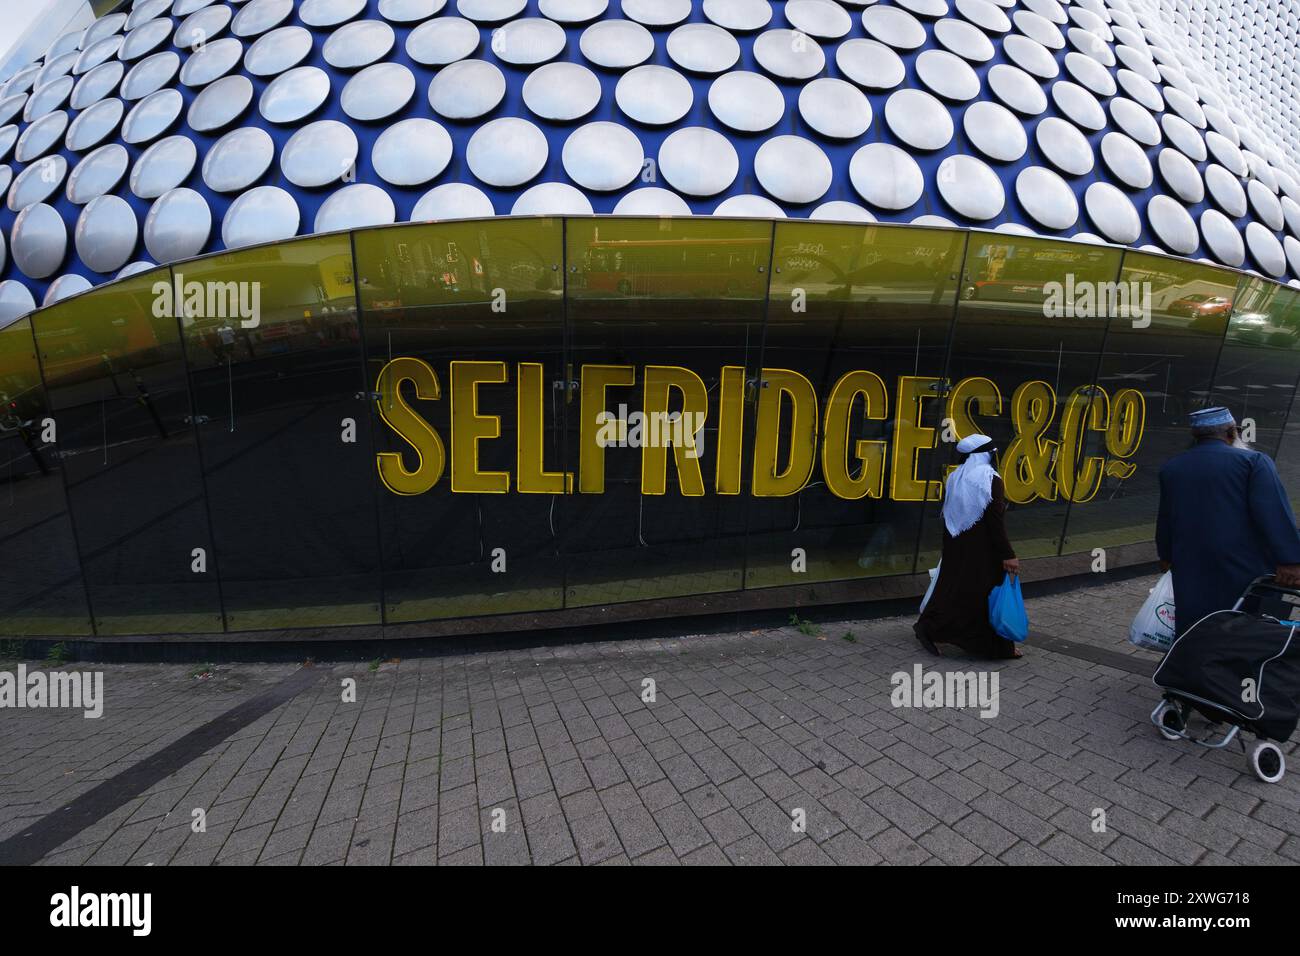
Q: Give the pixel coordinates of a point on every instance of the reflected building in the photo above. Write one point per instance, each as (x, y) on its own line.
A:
(409, 317)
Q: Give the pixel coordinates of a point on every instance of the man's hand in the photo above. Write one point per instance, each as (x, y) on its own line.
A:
(1288, 575)
(1165, 566)
(1012, 566)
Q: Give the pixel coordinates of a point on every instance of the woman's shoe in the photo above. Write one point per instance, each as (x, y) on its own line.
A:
(925, 642)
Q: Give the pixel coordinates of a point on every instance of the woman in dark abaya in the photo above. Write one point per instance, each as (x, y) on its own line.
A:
(976, 553)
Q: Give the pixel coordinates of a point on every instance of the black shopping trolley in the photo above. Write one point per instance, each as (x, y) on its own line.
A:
(1240, 669)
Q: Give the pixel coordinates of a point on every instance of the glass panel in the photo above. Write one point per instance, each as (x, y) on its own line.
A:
(1256, 377)
(40, 580)
(1156, 370)
(1029, 329)
(275, 360)
(664, 323)
(115, 376)
(467, 319)
(863, 315)
(1288, 454)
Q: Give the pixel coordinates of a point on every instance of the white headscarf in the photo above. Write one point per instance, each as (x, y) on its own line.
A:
(970, 487)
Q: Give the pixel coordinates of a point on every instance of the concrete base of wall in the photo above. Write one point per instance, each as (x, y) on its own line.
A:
(866, 598)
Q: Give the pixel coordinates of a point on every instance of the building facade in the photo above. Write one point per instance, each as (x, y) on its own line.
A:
(400, 316)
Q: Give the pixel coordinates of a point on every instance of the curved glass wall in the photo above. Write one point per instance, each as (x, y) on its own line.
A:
(465, 419)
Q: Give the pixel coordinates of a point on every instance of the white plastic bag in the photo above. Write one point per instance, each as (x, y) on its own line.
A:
(1153, 628)
(934, 576)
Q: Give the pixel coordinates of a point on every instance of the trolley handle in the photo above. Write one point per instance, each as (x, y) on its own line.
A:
(1267, 583)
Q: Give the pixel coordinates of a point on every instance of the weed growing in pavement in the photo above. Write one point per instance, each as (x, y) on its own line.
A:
(807, 628)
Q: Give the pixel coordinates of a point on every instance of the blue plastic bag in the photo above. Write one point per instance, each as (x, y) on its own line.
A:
(1007, 609)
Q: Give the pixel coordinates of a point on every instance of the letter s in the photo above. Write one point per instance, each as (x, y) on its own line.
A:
(410, 427)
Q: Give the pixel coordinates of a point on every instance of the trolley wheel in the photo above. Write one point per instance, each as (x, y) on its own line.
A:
(1267, 762)
(1172, 722)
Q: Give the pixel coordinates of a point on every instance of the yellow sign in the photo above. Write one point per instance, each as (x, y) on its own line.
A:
(1060, 448)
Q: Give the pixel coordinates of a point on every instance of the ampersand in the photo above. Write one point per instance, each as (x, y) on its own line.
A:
(1027, 462)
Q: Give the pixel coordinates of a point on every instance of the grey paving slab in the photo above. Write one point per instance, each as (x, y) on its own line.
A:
(548, 755)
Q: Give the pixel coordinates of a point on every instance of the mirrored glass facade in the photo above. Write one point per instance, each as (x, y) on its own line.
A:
(517, 416)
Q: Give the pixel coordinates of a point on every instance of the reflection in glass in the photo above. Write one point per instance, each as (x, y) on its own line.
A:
(115, 377)
(847, 299)
(1288, 455)
(40, 579)
(1256, 374)
(1029, 328)
(275, 365)
(472, 314)
(1167, 356)
(515, 415)
(665, 317)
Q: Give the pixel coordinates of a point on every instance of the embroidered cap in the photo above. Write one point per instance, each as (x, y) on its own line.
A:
(1209, 417)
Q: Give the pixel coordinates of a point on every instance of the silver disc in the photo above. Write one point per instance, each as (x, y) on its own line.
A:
(834, 108)
(698, 161)
(995, 131)
(263, 214)
(377, 92)
(1113, 213)
(652, 201)
(745, 101)
(603, 156)
(238, 159)
(654, 95)
(355, 207)
(38, 241)
(453, 201)
(319, 154)
(918, 119)
(506, 152)
(1173, 225)
(702, 48)
(793, 169)
(886, 176)
(970, 187)
(552, 199)
(163, 166)
(151, 117)
(467, 89)
(219, 104)
(106, 234)
(1222, 238)
(178, 226)
(1047, 198)
(411, 153)
(294, 95)
(561, 91)
(1064, 146)
(98, 173)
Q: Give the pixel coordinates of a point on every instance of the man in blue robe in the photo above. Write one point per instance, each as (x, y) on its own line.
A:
(1224, 520)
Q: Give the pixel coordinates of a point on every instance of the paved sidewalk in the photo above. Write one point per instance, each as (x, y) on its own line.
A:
(748, 733)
